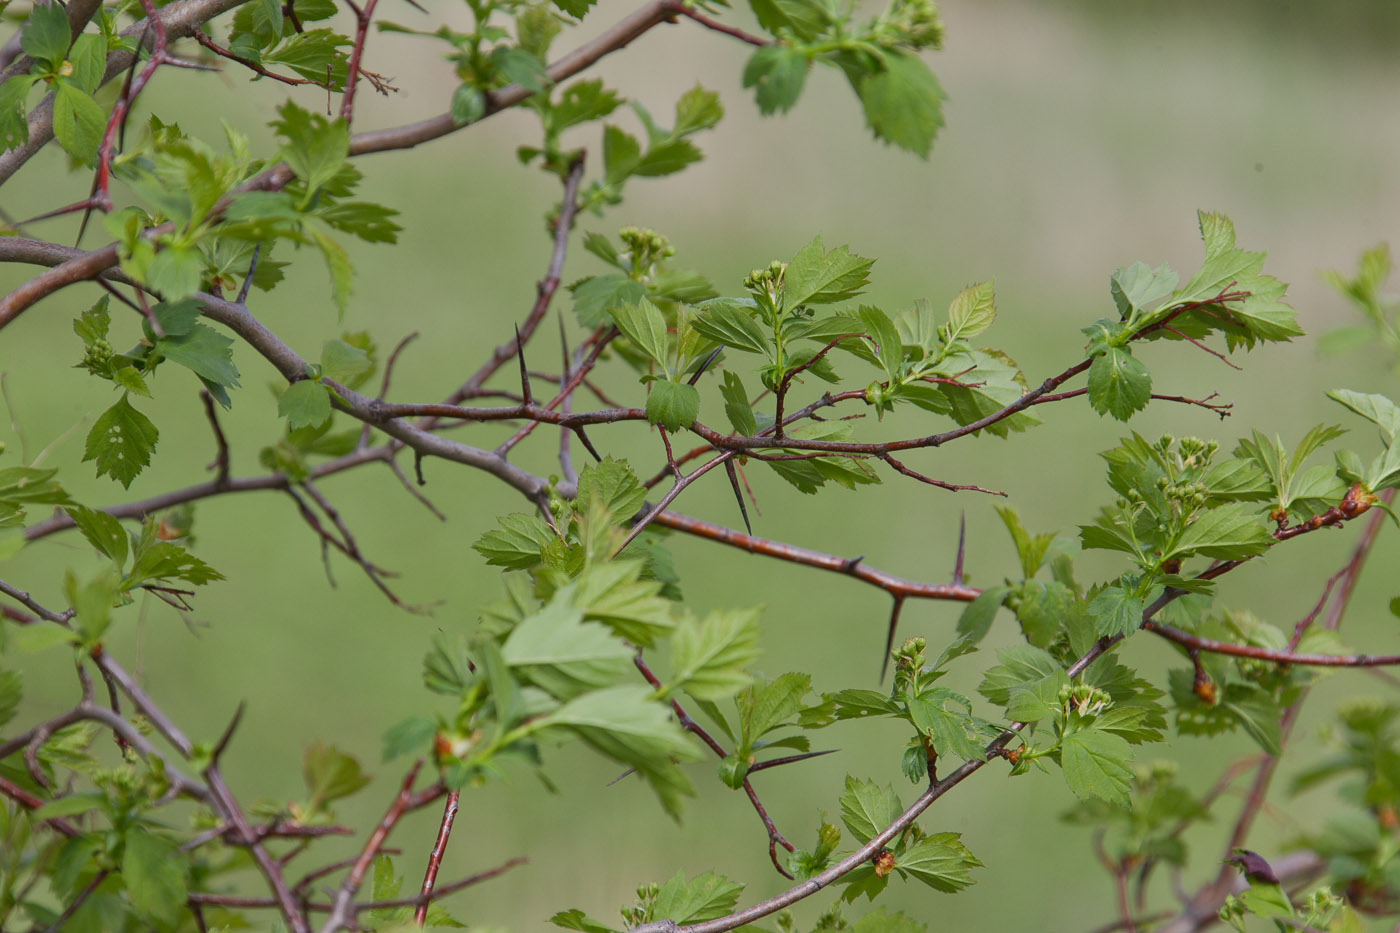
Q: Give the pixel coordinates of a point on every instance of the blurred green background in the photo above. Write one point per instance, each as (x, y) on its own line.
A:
(1081, 137)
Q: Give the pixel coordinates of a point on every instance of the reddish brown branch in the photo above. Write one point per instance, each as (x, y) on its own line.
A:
(449, 813)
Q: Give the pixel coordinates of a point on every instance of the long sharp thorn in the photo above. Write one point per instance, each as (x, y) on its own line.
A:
(889, 639)
(790, 759)
(587, 444)
(524, 374)
(738, 495)
(962, 540)
(705, 365)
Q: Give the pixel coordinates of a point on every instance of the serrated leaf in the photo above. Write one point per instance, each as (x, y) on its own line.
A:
(564, 655)
(704, 897)
(815, 276)
(1137, 287)
(1020, 664)
(777, 73)
(889, 348)
(121, 442)
(14, 123)
(330, 774)
(972, 311)
(165, 560)
(305, 404)
(673, 405)
(1377, 409)
(643, 324)
(696, 110)
(903, 103)
(408, 736)
(945, 717)
(46, 33)
(102, 531)
(866, 808)
(205, 352)
(78, 122)
(1115, 612)
(767, 706)
(710, 659)
(1225, 533)
(1119, 384)
(1096, 765)
(631, 716)
(734, 326)
(940, 861)
(736, 405)
(153, 873)
(517, 544)
(313, 146)
(342, 361)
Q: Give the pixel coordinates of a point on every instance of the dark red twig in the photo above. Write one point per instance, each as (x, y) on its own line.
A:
(449, 813)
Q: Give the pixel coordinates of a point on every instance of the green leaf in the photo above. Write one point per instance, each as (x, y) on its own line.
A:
(1225, 533)
(621, 153)
(564, 655)
(940, 861)
(1119, 384)
(696, 110)
(1096, 765)
(815, 276)
(977, 618)
(575, 8)
(777, 73)
(447, 667)
(575, 919)
(1030, 549)
(709, 659)
(903, 103)
(768, 706)
(867, 809)
(468, 104)
(673, 405)
(14, 123)
(102, 531)
(736, 405)
(945, 717)
(46, 33)
(1377, 409)
(643, 324)
(121, 441)
(153, 872)
(888, 346)
(89, 58)
(205, 352)
(613, 594)
(338, 265)
(881, 922)
(613, 486)
(330, 774)
(78, 121)
(704, 897)
(411, 735)
(176, 318)
(343, 362)
(11, 690)
(629, 714)
(584, 101)
(175, 271)
(972, 311)
(1020, 665)
(24, 485)
(733, 325)
(520, 67)
(165, 560)
(596, 296)
(666, 158)
(313, 146)
(1138, 286)
(305, 404)
(1116, 612)
(517, 544)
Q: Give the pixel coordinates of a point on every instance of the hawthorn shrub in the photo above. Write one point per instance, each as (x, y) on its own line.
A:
(117, 816)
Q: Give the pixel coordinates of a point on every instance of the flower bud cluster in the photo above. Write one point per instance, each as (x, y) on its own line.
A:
(912, 24)
(1084, 699)
(645, 247)
(97, 358)
(767, 281)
